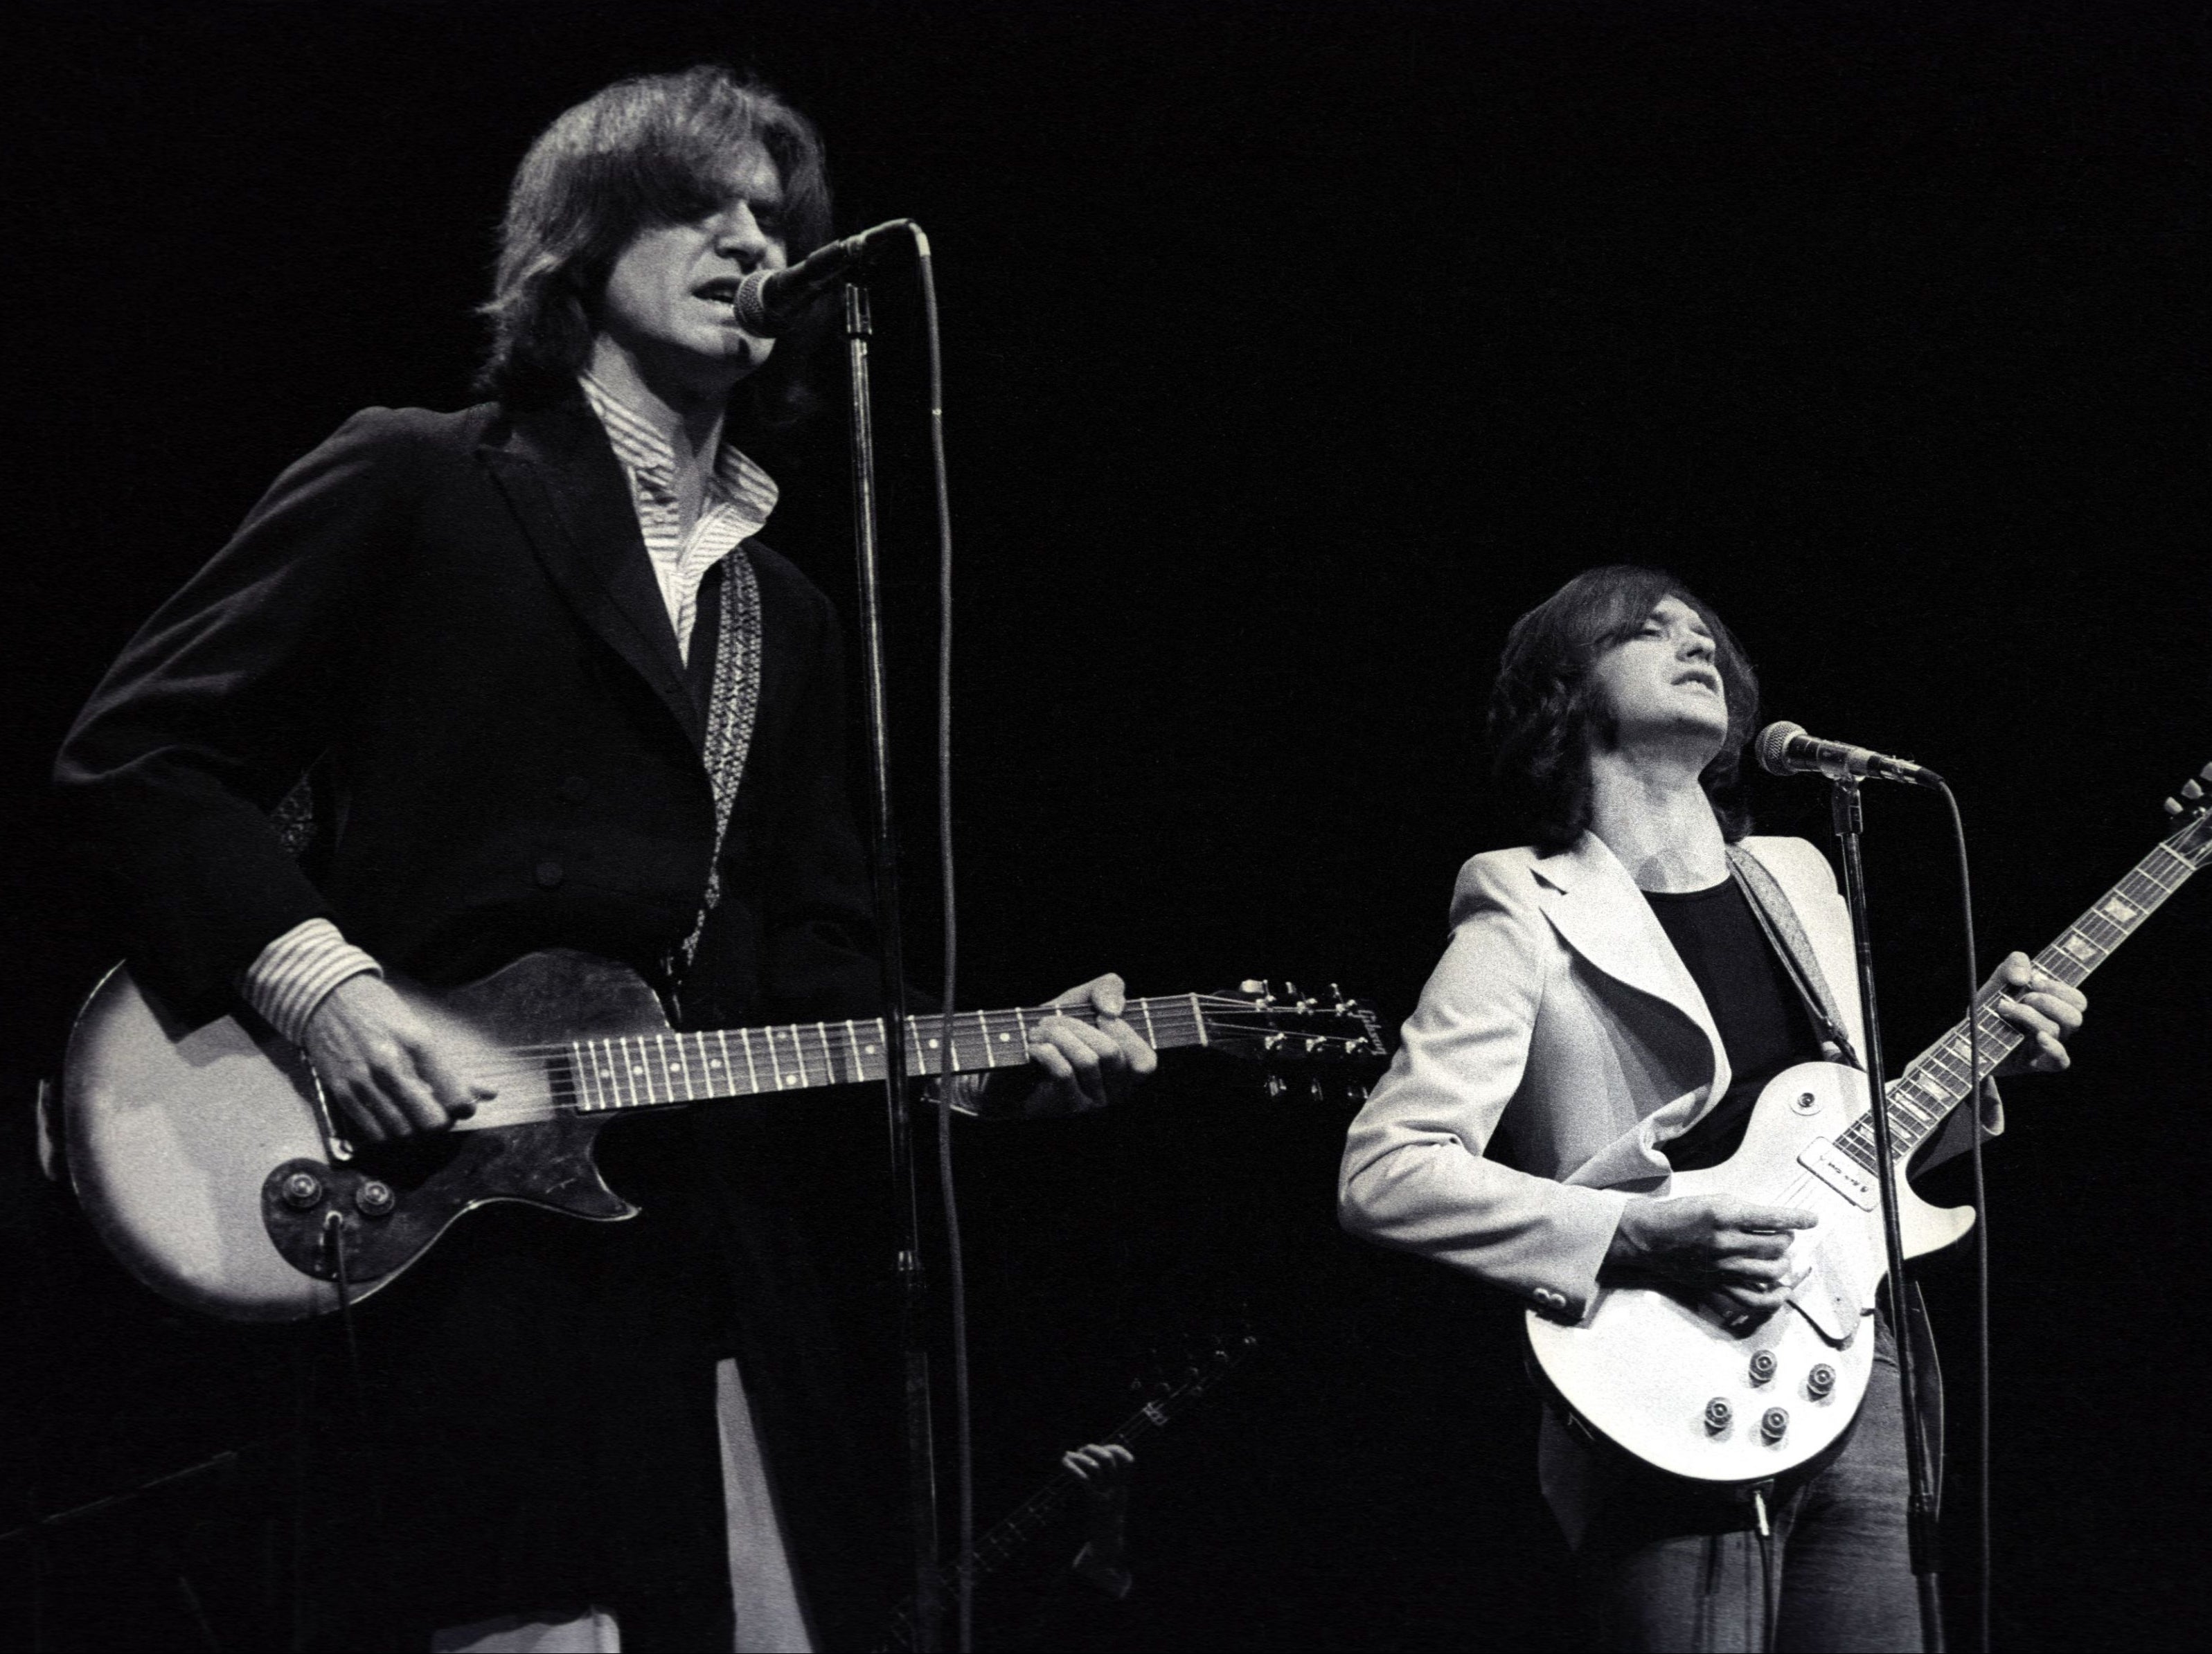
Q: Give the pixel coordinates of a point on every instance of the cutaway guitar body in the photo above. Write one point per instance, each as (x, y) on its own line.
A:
(184, 1144)
(1667, 1382)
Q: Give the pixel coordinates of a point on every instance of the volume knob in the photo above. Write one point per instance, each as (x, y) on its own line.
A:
(1820, 1382)
(1773, 1425)
(1762, 1367)
(300, 1190)
(1718, 1414)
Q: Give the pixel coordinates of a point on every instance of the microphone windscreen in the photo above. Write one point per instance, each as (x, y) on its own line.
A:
(1773, 746)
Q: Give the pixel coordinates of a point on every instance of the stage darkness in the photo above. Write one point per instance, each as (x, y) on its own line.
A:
(1293, 349)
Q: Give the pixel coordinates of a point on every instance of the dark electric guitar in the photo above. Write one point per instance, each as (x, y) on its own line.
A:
(1662, 1378)
(210, 1164)
(1038, 1511)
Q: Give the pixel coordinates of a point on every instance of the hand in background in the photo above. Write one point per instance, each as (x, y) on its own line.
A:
(1107, 1472)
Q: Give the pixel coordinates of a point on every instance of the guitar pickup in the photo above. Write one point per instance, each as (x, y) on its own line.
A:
(1841, 1173)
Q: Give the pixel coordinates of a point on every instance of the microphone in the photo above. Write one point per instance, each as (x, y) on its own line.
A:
(1786, 749)
(770, 302)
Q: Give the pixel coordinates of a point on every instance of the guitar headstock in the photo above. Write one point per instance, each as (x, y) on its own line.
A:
(1169, 1382)
(1275, 1024)
(2191, 836)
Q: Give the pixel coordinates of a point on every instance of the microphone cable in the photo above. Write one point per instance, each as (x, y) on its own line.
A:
(1983, 1545)
(948, 1196)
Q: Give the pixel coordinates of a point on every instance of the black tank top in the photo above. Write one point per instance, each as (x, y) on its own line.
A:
(1761, 1016)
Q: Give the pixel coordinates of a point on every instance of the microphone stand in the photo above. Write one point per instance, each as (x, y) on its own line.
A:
(1920, 1503)
(913, 1290)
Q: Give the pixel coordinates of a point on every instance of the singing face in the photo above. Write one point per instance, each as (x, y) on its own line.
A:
(1660, 686)
(667, 298)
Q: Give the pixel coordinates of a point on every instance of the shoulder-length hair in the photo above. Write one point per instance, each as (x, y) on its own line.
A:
(640, 154)
(1544, 712)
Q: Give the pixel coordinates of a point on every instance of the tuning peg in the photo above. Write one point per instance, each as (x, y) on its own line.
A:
(1251, 984)
(1342, 1005)
(1275, 1086)
(2173, 807)
(2191, 791)
(2205, 774)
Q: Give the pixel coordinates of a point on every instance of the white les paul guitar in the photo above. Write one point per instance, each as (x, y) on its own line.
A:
(1665, 1381)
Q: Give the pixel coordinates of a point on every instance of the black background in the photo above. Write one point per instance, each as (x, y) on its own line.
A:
(1292, 351)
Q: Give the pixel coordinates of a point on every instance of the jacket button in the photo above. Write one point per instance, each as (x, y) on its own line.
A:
(574, 788)
(549, 873)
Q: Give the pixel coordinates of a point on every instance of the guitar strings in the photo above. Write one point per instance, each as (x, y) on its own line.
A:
(1173, 1010)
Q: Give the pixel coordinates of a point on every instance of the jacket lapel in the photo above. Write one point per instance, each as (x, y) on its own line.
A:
(561, 480)
(1594, 905)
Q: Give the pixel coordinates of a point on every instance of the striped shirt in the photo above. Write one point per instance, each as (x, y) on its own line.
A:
(292, 974)
(736, 500)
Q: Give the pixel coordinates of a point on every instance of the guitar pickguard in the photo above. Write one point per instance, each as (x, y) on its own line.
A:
(377, 1214)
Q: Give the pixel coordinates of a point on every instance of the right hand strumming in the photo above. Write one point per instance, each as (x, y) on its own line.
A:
(380, 1067)
(1732, 1253)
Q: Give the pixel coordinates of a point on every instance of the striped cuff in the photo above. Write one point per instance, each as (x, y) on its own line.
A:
(293, 972)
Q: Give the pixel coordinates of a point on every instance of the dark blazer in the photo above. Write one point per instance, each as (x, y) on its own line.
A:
(453, 615)
(451, 618)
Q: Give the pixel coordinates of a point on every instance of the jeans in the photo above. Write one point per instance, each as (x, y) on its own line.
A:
(1663, 1564)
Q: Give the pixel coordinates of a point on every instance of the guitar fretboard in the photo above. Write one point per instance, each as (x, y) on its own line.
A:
(1036, 1513)
(1940, 1077)
(654, 1070)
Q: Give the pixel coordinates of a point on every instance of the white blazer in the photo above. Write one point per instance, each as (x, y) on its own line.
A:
(1562, 1029)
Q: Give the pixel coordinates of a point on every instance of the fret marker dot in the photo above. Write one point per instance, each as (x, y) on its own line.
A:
(1004, 1037)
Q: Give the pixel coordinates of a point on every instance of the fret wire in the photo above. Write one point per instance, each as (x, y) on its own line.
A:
(752, 1072)
(608, 1097)
(729, 1073)
(828, 1063)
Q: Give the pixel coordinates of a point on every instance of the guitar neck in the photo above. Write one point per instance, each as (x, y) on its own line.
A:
(1945, 1075)
(1034, 1514)
(653, 1070)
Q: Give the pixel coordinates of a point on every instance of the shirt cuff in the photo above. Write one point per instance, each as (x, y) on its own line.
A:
(293, 974)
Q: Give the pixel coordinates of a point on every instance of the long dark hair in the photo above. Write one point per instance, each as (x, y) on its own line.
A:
(1543, 711)
(650, 151)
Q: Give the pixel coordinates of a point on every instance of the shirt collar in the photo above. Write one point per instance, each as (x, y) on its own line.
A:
(643, 450)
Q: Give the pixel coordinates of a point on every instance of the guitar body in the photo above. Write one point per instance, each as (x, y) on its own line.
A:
(1663, 1380)
(181, 1141)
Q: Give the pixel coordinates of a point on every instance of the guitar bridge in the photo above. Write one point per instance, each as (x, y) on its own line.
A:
(1841, 1173)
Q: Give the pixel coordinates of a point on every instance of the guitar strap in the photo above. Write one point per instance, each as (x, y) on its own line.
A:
(731, 706)
(1779, 920)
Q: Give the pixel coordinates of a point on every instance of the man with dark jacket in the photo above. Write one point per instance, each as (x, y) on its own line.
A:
(550, 690)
